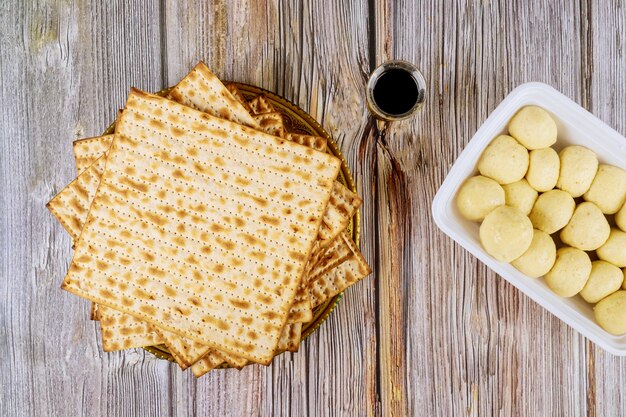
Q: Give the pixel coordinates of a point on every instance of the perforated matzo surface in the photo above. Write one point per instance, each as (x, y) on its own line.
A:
(86, 151)
(207, 363)
(159, 186)
(333, 281)
(123, 331)
(202, 90)
(312, 141)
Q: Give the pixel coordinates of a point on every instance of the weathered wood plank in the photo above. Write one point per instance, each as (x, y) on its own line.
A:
(606, 66)
(65, 69)
(321, 65)
(492, 350)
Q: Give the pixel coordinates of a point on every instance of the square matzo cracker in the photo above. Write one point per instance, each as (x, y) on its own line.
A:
(216, 230)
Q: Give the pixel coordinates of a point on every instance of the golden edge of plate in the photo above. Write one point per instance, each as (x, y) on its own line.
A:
(287, 108)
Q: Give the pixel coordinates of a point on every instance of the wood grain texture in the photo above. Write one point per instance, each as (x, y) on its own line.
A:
(484, 339)
(65, 70)
(605, 91)
(433, 331)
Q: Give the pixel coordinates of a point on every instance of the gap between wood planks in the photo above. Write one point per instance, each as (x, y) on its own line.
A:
(586, 73)
(391, 211)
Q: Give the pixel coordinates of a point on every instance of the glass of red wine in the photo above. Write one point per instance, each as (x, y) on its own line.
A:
(395, 91)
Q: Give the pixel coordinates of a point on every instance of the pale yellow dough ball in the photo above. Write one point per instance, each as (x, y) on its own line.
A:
(614, 250)
(588, 228)
(578, 169)
(539, 258)
(624, 282)
(478, 196)
(608, 189)
(543, 169)
(520, 195)
(604, 280)
(533, 127)
(506, 233)
(570, 272)
(620, 218)
(504, 160)
(610, 313)
(552, 211)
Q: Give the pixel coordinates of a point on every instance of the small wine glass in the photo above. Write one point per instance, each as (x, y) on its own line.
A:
(419, 98)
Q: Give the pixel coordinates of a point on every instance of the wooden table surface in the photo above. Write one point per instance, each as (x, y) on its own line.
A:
(432, 332)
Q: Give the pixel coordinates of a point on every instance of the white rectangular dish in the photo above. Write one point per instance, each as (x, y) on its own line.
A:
(576, 126)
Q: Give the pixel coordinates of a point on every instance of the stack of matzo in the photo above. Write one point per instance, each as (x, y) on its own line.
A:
(203, 225)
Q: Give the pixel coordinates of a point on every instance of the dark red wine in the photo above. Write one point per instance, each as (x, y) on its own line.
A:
(395, 91)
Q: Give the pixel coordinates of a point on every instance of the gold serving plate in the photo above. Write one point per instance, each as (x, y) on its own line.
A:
(296, 121)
